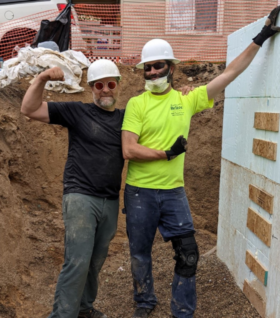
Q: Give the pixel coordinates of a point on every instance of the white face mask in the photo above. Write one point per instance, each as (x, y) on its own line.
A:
(157, 86)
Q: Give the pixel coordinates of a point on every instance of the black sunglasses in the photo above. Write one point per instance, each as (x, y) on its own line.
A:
(156, 66)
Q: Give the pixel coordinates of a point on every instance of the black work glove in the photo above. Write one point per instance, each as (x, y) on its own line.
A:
(269, 29)
(179, 146)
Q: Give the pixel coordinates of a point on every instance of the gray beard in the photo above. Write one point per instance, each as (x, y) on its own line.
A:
(105, 103)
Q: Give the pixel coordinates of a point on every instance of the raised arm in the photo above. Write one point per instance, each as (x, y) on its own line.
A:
(33, 105)
(239, 64)
(235, 68)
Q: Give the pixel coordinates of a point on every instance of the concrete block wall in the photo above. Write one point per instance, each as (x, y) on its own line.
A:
(249, 207)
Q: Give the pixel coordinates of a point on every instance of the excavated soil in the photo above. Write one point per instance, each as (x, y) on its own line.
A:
(32, 158)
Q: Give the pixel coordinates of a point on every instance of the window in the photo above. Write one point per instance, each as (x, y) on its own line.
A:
(206, 15)
(193, 16)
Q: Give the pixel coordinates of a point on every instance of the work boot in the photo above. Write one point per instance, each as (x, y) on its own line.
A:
(93, 313)
(142, 312)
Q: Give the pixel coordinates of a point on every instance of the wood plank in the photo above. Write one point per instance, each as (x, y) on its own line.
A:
(255, 298)
(264, 148)
(256, 267)
(259, 226)
(262, 198)
(267, 121)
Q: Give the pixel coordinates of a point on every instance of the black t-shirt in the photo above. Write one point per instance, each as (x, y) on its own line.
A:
(95, 162)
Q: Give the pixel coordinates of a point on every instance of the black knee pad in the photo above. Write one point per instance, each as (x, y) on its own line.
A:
(186, 255)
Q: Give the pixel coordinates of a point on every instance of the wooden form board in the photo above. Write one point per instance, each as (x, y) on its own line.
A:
(267, 121)
(259, 226)
(264, 148)
(256, 267)
(261, 197)
(254, 298)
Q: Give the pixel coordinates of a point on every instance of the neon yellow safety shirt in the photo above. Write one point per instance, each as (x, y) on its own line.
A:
(158, 120)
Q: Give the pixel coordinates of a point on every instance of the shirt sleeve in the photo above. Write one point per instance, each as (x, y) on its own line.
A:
(64, 113)
(198, 99)
(132, 118)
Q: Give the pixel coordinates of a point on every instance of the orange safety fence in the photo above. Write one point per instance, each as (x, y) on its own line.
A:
(196, 29)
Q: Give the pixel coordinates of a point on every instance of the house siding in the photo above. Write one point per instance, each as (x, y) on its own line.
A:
(143, 20)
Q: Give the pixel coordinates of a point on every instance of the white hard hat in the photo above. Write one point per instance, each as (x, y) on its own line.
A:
(101, 69)
(157, 49)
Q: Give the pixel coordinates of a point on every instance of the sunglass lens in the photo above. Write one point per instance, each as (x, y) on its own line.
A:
(159, 65)
(147, 68)
(156, 66)
(112, 85)
(98, 85)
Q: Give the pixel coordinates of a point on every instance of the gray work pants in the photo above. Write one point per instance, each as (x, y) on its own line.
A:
(90, 224)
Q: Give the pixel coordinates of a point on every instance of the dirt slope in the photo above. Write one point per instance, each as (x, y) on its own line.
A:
(32, 158)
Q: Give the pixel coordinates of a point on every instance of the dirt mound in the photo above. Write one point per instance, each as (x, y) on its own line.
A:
(32, 158)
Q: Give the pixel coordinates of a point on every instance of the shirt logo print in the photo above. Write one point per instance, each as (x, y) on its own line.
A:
(176, 106)
(176, 110)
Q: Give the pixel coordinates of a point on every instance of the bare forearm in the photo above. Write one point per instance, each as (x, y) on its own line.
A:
(234, 69)
(34, 97)
(239, 64)
(32, 104)
(138, 152)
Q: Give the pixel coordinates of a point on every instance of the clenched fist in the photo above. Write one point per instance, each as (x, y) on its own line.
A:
(52, 74)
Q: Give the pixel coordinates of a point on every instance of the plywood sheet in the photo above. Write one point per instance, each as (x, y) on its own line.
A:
(259, 226)
(256, 267)
(262, 198)
(264, 148)
(254, 298)
(267, 121)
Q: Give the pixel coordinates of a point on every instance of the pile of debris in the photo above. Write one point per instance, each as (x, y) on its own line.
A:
(34, 61)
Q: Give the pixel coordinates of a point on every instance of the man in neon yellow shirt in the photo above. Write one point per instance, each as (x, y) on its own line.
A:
(154, 194)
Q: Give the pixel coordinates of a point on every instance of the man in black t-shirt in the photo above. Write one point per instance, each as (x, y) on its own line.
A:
(92, 180)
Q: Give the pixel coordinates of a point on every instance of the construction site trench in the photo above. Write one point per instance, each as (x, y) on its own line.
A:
(32, 159)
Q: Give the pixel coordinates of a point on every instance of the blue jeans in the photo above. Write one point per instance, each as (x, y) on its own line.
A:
(90, 224)
(146, 210)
